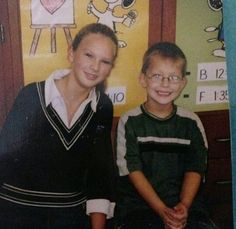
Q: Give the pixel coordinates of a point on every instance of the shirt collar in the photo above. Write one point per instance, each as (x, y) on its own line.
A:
(52, 93)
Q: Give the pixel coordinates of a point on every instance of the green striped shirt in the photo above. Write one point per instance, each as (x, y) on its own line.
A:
(163, 149)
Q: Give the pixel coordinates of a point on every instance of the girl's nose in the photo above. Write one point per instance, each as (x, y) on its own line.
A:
(95, 65)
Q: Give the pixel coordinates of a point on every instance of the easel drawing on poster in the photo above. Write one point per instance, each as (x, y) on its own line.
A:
(51, 14)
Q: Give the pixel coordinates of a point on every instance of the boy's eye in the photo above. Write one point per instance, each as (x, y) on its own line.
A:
(174, 78)
(157, 76)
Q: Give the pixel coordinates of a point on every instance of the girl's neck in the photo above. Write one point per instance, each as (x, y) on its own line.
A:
(70, 90)
(73, 96)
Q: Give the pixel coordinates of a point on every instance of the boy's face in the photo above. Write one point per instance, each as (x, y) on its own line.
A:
(163, 80)
(92, 61)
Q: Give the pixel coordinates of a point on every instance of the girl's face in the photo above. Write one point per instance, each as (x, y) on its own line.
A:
(163, 80)
(92, 61)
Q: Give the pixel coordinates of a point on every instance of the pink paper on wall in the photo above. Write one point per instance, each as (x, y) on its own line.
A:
(52, 12)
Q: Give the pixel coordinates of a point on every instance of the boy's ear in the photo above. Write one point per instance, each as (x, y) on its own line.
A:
(184, 82)
(142, 80)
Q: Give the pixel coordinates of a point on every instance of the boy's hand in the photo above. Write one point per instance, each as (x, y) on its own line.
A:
(182, 210)
(182, 213)
(170, 218)
(179, 216)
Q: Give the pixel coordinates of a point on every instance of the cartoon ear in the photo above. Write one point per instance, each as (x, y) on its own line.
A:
(127, 3)
(215, 5)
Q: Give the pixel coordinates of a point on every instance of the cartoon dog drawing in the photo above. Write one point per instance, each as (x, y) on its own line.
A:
(216, 5)
(110, 19)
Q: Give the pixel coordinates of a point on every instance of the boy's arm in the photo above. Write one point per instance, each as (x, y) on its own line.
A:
(147, 192)
(188, 192)
(195, 164)
(191, 183)
(190, 187)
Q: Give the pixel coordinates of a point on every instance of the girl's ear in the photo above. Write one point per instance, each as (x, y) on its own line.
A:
(70, 54)
(142, 80)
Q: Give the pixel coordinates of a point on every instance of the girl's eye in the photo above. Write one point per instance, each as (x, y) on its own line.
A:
(88, 54)
(107, 62)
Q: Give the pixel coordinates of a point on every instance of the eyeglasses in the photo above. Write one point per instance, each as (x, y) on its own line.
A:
(158, 78)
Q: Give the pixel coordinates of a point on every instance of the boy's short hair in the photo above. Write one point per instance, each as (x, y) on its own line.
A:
(96, 28)
(164, 49)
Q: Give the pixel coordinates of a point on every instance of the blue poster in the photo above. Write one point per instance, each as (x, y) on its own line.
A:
(229, 23)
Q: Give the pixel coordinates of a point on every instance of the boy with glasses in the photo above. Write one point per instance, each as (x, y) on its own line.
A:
(161, 151)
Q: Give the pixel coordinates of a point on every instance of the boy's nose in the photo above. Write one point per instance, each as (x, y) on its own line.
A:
(165, 81)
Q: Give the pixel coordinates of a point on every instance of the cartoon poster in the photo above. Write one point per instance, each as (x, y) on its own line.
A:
(200, 33)
(48, 27)
(217, 30)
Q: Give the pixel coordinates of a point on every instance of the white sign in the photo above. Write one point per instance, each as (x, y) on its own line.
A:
(117, 95)
(212, 94)
(211, 71)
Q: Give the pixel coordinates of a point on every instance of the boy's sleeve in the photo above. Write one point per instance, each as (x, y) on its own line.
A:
(196, 160)
(128, 159)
